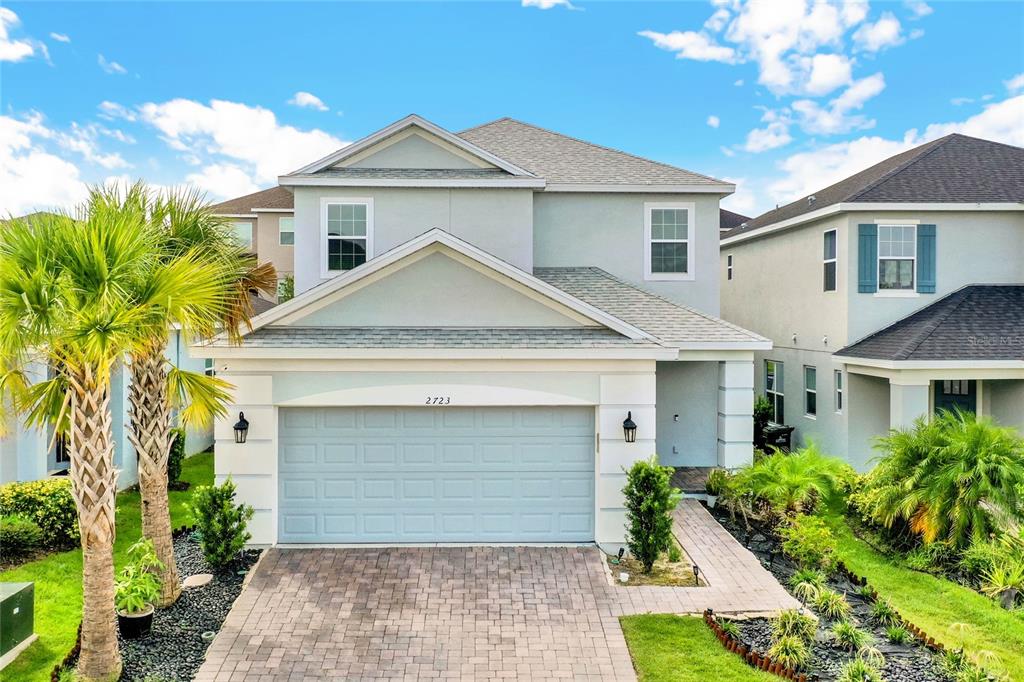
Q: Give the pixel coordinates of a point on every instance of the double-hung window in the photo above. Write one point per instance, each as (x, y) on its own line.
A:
(668, 237)
(829, 262)
(774, 390)
(286, 231)
(810, 391)
(347, 234)
(839, 390)
(897, 256)
(243, 233)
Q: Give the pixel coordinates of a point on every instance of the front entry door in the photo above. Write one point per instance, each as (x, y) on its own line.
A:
(959, 394)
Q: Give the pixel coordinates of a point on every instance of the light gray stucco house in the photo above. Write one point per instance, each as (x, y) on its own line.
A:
(476, 316)
(890, 294)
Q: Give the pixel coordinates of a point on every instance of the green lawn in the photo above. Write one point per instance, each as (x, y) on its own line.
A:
(953, 615)
(58, 578)
(683, 649)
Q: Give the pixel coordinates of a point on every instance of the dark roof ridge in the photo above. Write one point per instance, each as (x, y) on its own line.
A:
(924, 151)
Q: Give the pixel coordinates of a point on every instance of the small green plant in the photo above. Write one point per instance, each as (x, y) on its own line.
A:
(221, 522)
(790, 651)
(717, 481)
(649, 501)
(832, 605)
(883, 613)
(897, 634)
(138, 585)
(848, 636)
(175, 458)
(675, 555)
(810, 542)
(859, 670)
(869, 654)
(866, 592)
(931, 557)
(954, 661)
(806, 584)
(19, 537)
(1004, 580)
(972, 674)
(730, 628)
(792, 623)
(285, 289)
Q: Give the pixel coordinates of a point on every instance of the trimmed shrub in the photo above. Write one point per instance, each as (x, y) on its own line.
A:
(221, 523)
(810, 542)
(49, 504)
(19, 537)
(175, 457)
(650, 499)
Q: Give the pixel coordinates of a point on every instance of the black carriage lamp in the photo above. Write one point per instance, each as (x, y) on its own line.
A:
(241, 428)
(629, 428)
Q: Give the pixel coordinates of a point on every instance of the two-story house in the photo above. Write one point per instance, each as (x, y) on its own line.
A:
(488, 327)
(891, 294)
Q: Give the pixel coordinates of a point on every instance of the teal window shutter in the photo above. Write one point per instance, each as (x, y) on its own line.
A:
(926, 259)
(867, 258)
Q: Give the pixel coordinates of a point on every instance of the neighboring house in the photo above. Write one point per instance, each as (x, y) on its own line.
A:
(888, 295)
(727, 220)
(264, 221)
(476, 317)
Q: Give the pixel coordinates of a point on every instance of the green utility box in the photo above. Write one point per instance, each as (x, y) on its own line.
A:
(17, 619)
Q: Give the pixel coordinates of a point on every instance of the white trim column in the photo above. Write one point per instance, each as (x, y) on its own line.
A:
(908, 401)
(735, 413)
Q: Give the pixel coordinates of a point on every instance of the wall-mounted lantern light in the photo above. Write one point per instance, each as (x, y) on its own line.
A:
(241, 428)
(629, 428)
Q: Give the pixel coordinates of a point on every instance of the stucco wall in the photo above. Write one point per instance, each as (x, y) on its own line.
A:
(415, 150)
(499, 221)
(689, 391)
(868, 418)
(607, 231)
(268, 240)
(1005, 402)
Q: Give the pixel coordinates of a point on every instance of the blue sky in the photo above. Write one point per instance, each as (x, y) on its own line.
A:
(781, 96)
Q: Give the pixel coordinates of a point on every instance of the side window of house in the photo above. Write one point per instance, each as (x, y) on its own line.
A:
(286, 231)
(348, 234)
(839, 390)
(774, 390)
(897, 256)
(829, 261)
(810, 391)
(728, 266)
(668, 232)
(243, 233)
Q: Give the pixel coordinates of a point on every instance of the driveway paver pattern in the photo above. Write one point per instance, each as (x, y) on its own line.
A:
(466, 612)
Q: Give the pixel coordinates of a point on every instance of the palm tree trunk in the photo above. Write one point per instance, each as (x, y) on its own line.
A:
(93, 484)
(150, 434)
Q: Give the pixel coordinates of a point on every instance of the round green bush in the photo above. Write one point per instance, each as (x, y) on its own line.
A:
(19, 537)
(49, 503)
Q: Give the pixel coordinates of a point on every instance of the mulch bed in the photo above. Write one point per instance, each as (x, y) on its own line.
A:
(909, 662)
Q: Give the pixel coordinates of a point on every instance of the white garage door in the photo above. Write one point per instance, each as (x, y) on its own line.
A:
(436, 474)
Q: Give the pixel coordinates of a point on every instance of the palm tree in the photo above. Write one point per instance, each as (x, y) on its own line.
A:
(792, 483)
(64, 299)
(208, 277)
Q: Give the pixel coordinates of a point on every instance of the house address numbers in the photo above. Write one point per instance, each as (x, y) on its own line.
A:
(438, 400)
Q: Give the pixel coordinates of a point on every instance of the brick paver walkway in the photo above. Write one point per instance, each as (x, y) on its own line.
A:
(466, 612)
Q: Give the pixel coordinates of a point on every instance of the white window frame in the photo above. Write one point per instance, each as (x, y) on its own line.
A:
(773, 393)
(690, 241)
(324, 203)
(252, 232)
(808, 391)
(728, 267)
(282, 231)
(839, 388)
(834, 260)
(896, 293)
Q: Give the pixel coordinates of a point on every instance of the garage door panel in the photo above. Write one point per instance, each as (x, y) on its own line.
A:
(436, 475)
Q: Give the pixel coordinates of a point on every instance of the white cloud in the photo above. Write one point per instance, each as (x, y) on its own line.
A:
(12, 50)
(691, 45)
(223, 181)
(83, 140)
(1016, 83)
(743, 200)
(738, 83)
(30, 177)
(60, 37)
(239, 133)
(110, 67)
(717, 21)
(307, 100)
(918, 8)
(828, 72)
(772, 136)
(548, 4)
(1000, 122)
(886, 32)
(836, 117)
(112, 110)
(959, 101)
(714, 121)
(916, 33)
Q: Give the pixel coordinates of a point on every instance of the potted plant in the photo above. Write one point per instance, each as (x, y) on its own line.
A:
(714, 485)
(137, 588)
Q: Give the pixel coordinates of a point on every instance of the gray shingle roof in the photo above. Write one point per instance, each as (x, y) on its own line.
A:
(275, 197)
(408, 173)
(562, 159)
(425, 337)
(670, 322)
(727, 220)
(978, 322)
(951, 169)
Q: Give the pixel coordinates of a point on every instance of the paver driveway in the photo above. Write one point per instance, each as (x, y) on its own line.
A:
(465, 612)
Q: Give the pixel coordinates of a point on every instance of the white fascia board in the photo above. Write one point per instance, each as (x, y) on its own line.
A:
(313, 181)
(433, 236)
(292, 353)
(641, 188)
(398, 126)
(869, 206)
(272, 210)
(236, 215)
(930, 364)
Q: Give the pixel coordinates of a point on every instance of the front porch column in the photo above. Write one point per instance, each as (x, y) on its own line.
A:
(735, 413)
(907, 402)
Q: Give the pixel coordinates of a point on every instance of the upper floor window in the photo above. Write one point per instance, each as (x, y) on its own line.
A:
(774, 390)
(810, 391)
(897, 256)
(668, 241)
(829, 261)
(347, 234)
(286, 231)
(728, 266)
(243, 233)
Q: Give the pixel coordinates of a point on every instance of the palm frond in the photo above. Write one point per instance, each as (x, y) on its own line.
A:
(197, 397)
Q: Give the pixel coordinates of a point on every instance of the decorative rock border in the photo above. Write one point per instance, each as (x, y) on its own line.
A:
(753, 658)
